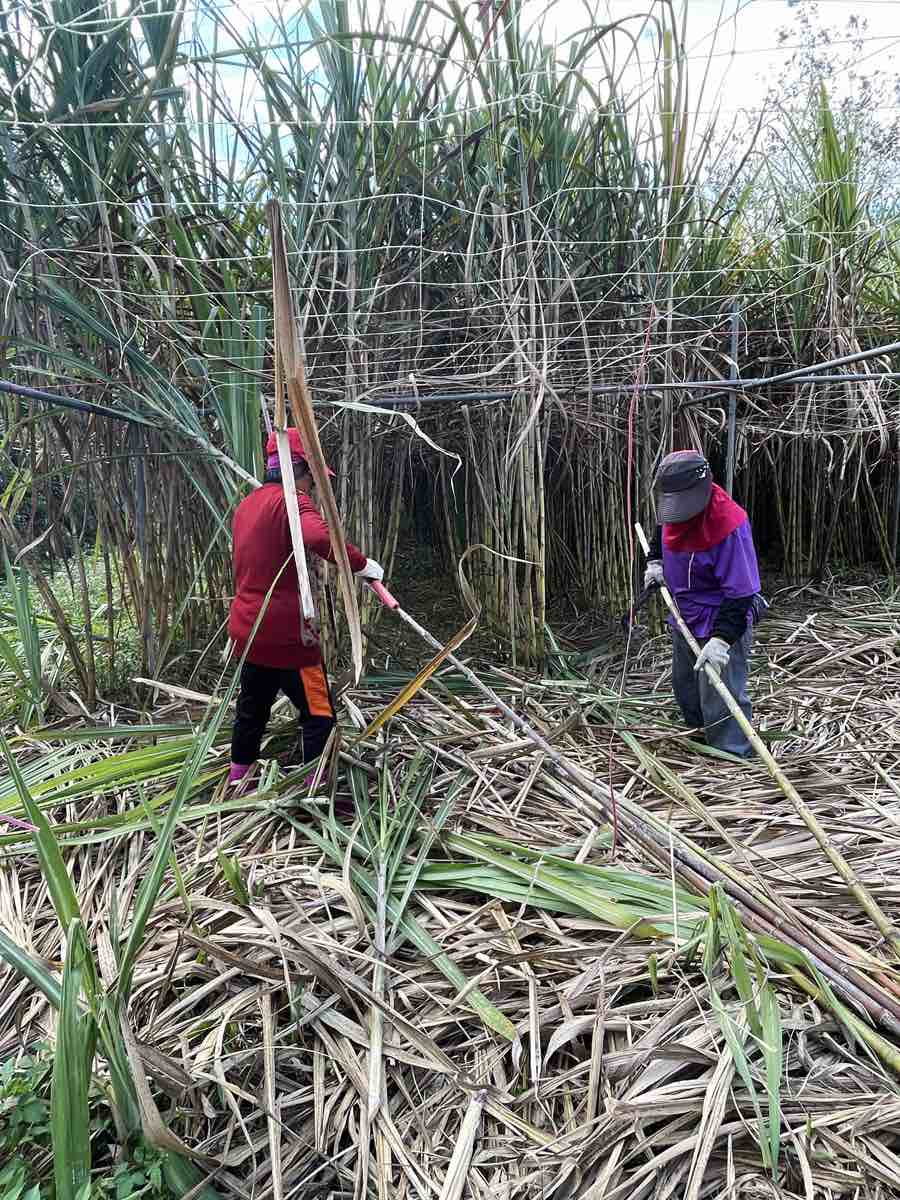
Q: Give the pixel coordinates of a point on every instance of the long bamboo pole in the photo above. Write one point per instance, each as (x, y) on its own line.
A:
(837, 860)
(711, 388)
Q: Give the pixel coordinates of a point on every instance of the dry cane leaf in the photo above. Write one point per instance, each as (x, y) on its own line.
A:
(458, 1170)
(274, 1124)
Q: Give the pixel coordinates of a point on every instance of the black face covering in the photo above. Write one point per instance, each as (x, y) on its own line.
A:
(273, 475)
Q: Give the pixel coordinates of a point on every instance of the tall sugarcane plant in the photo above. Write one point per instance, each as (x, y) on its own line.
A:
(469, 207)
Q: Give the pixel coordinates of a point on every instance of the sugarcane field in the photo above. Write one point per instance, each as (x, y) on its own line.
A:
(449, 600)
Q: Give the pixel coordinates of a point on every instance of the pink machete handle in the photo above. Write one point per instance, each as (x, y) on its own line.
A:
(384, 595)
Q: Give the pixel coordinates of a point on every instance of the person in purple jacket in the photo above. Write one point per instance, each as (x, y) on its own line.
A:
(703, 551)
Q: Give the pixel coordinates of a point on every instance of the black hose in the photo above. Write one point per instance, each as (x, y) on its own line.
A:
(16, 389)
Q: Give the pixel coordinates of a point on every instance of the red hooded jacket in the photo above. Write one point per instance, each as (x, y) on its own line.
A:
(261, 547)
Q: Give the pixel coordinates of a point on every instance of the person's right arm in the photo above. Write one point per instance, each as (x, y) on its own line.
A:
(317, 538)
(653, 575)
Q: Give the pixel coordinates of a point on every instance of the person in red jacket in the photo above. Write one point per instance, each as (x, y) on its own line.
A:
(283, 655)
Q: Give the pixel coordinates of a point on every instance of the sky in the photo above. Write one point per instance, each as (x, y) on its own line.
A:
(739, 39)
(736, 48)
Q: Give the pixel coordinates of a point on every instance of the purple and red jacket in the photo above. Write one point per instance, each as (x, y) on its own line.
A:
(714, 580)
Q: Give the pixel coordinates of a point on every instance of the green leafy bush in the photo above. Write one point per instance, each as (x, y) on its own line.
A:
(26, 1154)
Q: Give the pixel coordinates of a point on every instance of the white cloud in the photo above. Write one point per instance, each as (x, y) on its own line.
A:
(732, 45)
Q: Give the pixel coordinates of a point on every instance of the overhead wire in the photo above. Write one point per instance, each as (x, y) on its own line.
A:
(482, 310)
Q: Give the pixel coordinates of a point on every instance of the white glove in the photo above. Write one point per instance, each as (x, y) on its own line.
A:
(372, 570)
(653, 576)
(714, 654)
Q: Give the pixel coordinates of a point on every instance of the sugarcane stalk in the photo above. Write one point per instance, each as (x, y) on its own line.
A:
(861, 893)
(283, 336)
(294, 372)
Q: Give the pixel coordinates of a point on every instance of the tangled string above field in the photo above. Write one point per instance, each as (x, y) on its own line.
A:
(469, 209)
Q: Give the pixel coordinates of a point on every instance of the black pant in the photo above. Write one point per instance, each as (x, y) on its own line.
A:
(308, 692)
(702, 705)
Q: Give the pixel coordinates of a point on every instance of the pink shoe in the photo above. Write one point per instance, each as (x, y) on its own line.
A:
(310, 780)
(239, 777)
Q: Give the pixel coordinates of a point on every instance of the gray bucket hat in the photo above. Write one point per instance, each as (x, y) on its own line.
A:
(682, 487)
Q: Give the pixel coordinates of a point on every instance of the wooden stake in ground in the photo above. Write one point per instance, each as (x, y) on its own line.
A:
(837, 860)
(290, 359)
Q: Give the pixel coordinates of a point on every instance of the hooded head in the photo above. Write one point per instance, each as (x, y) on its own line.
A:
(682, 487)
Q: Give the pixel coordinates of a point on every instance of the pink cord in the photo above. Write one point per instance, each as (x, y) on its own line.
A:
(18, 824)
